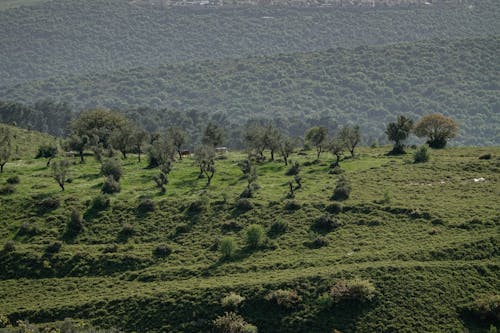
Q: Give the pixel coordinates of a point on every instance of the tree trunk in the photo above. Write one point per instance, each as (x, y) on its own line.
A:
(352, 152)
(62, 186)
(124, 153)
(318, 153)
(139, 154)
(286, 159)
(180, 154)
(82, 160)
(1, 167)
(272, 155)
(48, 162)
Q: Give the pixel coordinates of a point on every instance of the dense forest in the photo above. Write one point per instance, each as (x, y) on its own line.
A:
(368, 86)
(54, 38)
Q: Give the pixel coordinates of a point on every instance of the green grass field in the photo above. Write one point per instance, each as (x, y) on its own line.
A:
(426, 235)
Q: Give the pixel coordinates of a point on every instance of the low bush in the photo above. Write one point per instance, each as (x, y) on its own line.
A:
(292, 205)
(75, 224)
(286, 298)
(110, 186)
(228, 247)
(127, 229)
(356, 289)
(487, 308)
(231, 226)
(113, 168)
(334, 208)
(9, 246)
(162, 251)
(336, 170)
(53, 247)
(342, 190)
(28, 229)
(278, 228)
(13, 180)
(247, 193)
(7, 189)
(48, 204)
(231, 322)
(326, 223)
(317, 242)
(422, 155)
(294, 169)
(146, 205)
(232, 300)
(254, 236)
(485, 157)
(244, 204)
(101, 202)
(198, 206)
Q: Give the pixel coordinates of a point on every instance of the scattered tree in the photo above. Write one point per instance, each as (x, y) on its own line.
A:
(161, 179)
(112, 167)
(5, 146)
(48, 151)
(213, 135)
(317, 137)
(351, 137)
(78, 143)
(272, 139)
(399, 132)
(337, 146)
(204, 156)
(139, 138)
(437, 128)
(123, 137)
(178, 137)
(59, 172)
(287, 146)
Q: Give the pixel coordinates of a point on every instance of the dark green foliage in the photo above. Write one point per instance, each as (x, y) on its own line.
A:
(162, 251)
(112, 167)
(317, 242)
(244, 204)
(231, 322)
(294, 169)
(198, 206)
(101, 202)
(286, 298)
(28, 229)
(110, 186)
(127, 230)
(48, 151)
(278, 228)
(53, 247)
(7, 189)
(334, 208)
(13, 180)
(292, 205)
(9, 246)
(48, 204)
(228, 247)
(485, 157)
(342, 189)
(353, 290)
(398, 132)
(75, 223)
(326, 223)
(254, 236)
(146, 205)
(486, 308)
(422, 155)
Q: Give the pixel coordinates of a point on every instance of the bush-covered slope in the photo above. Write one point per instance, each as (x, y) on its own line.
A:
(368, 86)
(425, 235)
(54, 38)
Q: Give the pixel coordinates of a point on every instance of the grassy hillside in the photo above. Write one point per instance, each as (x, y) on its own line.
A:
(54, 38)
(426, 236)
(25, 142)
(368, 86)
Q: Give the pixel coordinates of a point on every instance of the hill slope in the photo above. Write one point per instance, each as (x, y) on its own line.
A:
(426, 236)
(368, 86)
(58, 37)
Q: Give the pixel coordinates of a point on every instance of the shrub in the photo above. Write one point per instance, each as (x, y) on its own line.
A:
(7, 189)
(198, 206)
(356, 289)
(162, 251)
(9, 246)
(284, 297)
(278, 228)
(487, 307)
(127, 229)
(54, 247)
(112, 167)
(13, 180)
(294, 169)
(232, 300)
(230, 226)
(75, 224)
(422, 155)
(28, 229)
(254, 236)
(110, 186)
(247, 193)
(292, 205)
(326, 223)
(336, 170)
(231, 322)
(49, 204)
(317, 242)
(146, 205)
(244, 204)
(113, 248)
(334, 208)
(228, 247)
(342, 189)
(485, 157)
(100, 202)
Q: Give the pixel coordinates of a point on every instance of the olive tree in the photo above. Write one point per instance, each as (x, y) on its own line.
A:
(60, 171)
(178, 137)
(205, 156)
(398, 132)
(48, 151)
(351, 137)
(317, 136)
(5, 146)
(437, 128)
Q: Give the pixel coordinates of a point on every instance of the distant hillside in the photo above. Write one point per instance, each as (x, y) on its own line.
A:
(58, 37)
(368, 86)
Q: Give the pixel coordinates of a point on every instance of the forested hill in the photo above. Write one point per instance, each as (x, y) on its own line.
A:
(368, 86)
(58, 37)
